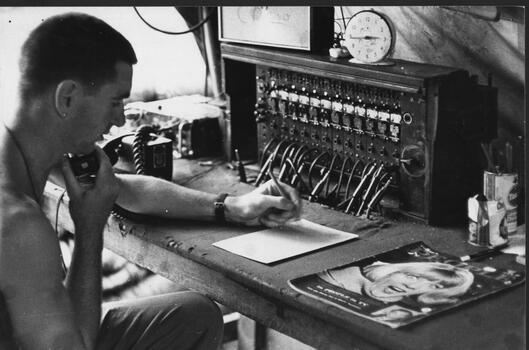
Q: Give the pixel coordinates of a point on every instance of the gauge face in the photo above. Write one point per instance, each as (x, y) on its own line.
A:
(368, 37)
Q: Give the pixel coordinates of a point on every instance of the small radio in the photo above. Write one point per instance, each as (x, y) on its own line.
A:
(199, 137)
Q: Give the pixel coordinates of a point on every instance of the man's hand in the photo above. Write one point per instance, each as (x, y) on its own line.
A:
(264, 205)
(91, 206)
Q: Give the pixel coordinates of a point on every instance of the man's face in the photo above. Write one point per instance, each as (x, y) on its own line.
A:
(397, 285)
(99, 111)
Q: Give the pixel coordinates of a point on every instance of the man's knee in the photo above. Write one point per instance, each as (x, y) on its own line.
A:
(186, 320)
(202, 309)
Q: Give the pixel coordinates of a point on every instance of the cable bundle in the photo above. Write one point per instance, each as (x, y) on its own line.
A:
(320, 176)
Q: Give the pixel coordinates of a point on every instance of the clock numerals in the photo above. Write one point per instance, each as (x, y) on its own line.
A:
(369, 36)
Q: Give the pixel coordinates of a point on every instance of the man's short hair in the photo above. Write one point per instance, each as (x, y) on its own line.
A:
(71, 46)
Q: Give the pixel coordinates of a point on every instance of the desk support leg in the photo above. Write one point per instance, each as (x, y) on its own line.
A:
(260, 337)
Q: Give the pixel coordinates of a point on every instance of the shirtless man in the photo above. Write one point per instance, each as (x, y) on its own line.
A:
(75, 72)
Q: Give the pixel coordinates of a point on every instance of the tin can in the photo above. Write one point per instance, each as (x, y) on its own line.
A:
(504, 189)
(486, 222)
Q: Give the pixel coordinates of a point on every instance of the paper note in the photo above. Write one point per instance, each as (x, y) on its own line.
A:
(275, 244)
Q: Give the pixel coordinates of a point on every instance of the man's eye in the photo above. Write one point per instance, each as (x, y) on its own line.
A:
(412, 277)
(438, 286)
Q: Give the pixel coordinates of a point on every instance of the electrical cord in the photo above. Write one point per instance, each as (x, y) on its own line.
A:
(371, 188)
(59, 201)
(299, 161)
(286, 171)
(292, 158)
(343, 19)
(269, 163)
(336, 189)
(298, 152)
(378, 196)
(140, 139)
(328, 181)
(288, 152)
(319, 186)
(300, 164)
(297, 175)
(206, 61)
(193, 28)
(351, 176)
(265, 149)
(313, 165)
(360, 188)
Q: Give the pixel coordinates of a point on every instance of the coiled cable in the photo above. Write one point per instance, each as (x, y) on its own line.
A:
(138, 147)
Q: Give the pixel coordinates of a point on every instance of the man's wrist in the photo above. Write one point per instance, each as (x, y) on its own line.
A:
(220, 208)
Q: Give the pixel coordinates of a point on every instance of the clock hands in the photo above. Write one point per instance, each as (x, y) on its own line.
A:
(365, 37)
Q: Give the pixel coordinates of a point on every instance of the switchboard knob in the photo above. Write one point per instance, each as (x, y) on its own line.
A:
(413, 161)
(325, 138)
(315, 136)
(348, 143)
(407, 117)
(395, 153)
(337, 140)
(371, 148)
(304, 133)
(358, 146)
(383, 152)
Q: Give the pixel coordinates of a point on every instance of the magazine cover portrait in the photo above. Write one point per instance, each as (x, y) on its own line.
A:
(406, 284)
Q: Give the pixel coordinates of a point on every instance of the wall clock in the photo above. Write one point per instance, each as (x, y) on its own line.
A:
(370, 38)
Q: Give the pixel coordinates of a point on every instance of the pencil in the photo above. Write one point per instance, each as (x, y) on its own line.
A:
(279, 187)
(484, 253)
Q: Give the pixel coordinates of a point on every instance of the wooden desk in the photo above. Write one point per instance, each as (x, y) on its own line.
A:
(182, 251)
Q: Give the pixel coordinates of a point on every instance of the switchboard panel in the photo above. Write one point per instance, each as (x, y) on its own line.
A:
(363, 139)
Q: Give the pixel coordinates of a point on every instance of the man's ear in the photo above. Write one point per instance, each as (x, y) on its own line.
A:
(65, 92)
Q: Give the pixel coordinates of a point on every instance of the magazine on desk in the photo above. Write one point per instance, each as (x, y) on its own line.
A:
(406, 284)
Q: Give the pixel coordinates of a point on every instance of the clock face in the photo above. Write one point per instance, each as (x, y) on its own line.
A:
(368, 37)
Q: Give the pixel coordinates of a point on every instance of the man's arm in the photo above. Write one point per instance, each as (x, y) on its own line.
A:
(39, 306)
(153, 196)
(89, 208)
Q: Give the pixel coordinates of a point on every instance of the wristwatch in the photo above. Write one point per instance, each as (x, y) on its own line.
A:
(220, 207)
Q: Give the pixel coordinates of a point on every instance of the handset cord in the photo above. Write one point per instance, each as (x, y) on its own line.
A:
(59, 201)
(138, 147)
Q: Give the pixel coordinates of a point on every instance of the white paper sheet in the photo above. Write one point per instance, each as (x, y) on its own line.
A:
(275, 244)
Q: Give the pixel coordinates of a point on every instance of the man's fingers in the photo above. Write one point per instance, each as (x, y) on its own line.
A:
(267, 222)
(279, 218)
(72, 185)
(104, 172)
(295, 199)
(278, 202)
(269, 188)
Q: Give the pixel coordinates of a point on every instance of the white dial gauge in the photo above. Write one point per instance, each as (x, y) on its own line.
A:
(369, 37)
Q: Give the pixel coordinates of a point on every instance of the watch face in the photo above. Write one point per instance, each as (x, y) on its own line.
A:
(368, 37)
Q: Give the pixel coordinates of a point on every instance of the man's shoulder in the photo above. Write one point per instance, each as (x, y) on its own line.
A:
(18, 208)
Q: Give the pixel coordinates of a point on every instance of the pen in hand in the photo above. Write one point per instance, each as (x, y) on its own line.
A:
(276, 183)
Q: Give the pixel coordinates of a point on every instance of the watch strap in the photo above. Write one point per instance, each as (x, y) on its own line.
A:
(220, 208)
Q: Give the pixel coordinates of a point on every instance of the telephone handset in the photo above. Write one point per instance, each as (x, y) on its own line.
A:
(151, 154)
(85, 166)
